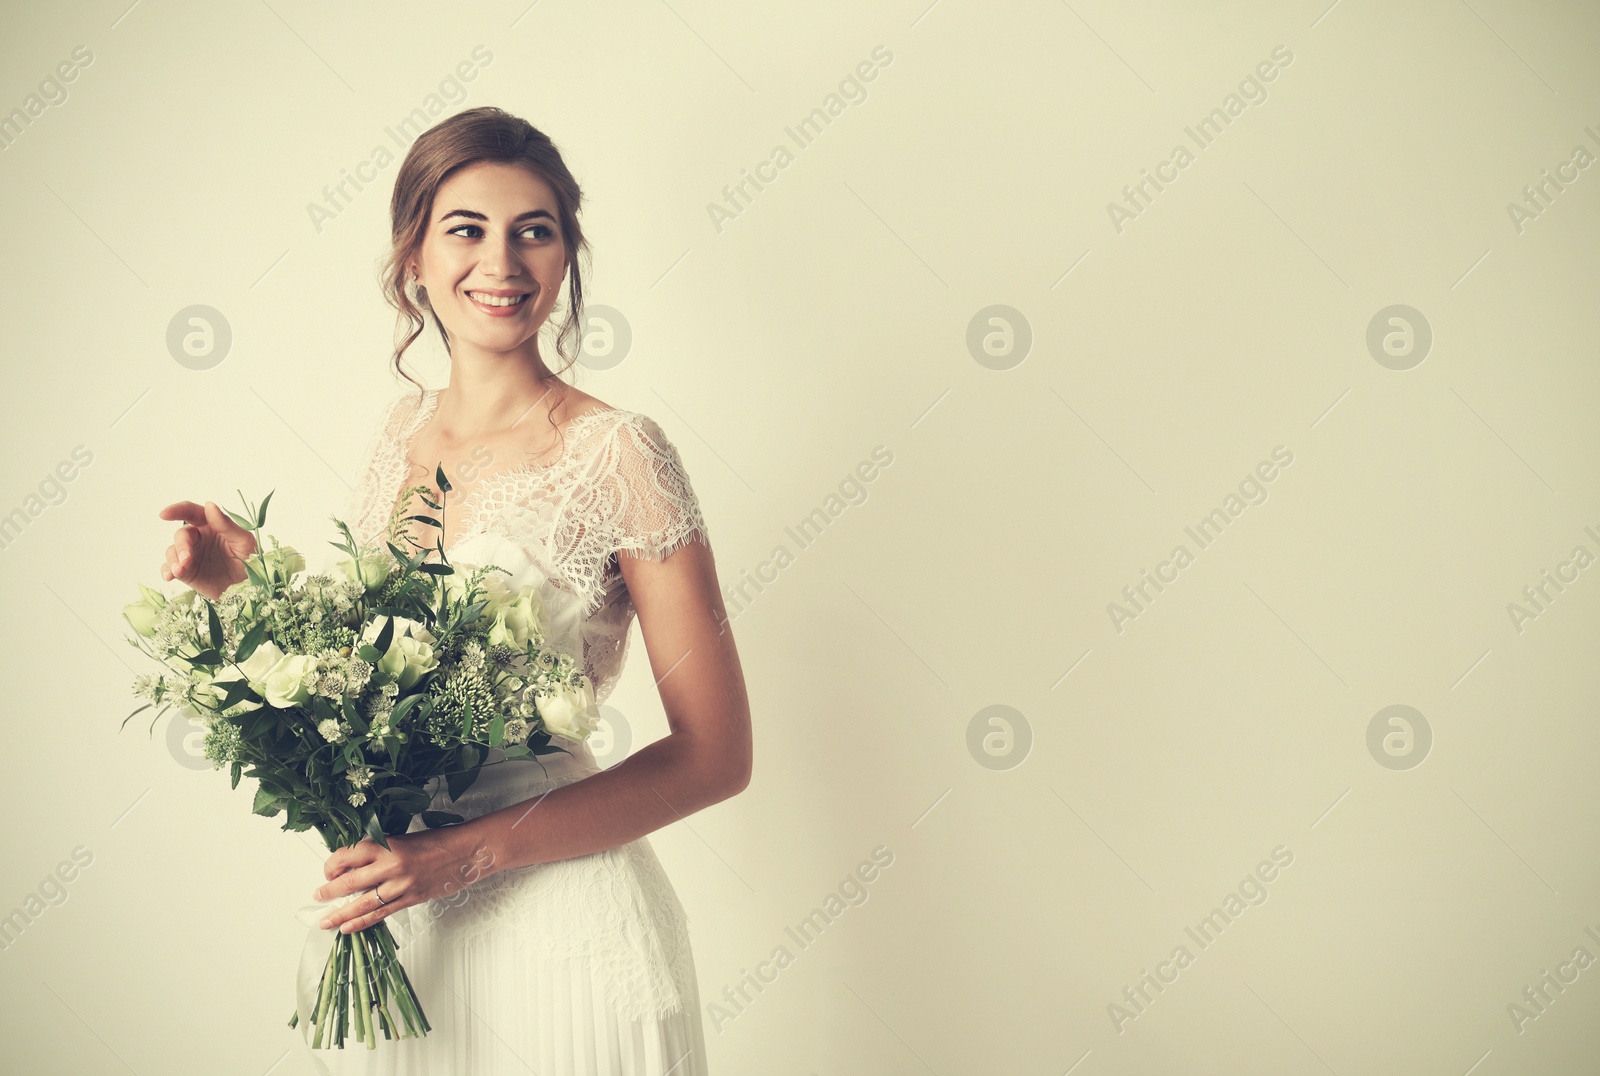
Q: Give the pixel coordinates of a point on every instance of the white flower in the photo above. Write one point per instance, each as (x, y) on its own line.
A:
(259, 663)
(371, 571)
(285, 683)
(142, 614)
(357, 798)
(331, 731)
(569, 712)
(407, 661)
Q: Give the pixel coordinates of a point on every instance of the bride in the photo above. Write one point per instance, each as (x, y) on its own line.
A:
(541, 934)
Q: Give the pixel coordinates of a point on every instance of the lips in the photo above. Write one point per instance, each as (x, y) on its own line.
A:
(498, 305)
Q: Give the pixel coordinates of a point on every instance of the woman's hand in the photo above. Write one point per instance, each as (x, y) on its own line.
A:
(208, 551)
(417, 867)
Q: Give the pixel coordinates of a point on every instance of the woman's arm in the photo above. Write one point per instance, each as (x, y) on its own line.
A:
(704, 759)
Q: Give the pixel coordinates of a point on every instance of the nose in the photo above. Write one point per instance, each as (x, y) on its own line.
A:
(498, 259)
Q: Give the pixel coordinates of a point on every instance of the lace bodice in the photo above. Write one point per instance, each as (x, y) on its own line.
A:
(618, 485)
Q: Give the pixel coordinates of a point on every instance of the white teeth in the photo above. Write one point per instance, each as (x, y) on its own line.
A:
(496, 300)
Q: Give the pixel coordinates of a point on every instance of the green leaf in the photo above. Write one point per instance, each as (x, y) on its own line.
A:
(402, 708)
(267, 802)
(466, 720)
(435, 819)
(215, 625)
(375, 830)
(429, 520)
(235, 693)
(323, 709)
(238, 767)
(429, 501)
(440, 480)
(252, 639)
(351, 715)
(385, 636)
(205, 657)
(497, 731)
(369, 654)
(241, 520)
(261, 514)
(436, 569)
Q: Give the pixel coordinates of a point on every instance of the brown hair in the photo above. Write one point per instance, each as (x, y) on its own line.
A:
(476, 135)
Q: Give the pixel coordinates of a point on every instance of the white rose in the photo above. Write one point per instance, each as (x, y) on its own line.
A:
(407, 661)
(372, 571)
(258, 664)
(142, 613)
(569, 713)
(285, 561)
(402, 626)
(517, 619)
(284, 685)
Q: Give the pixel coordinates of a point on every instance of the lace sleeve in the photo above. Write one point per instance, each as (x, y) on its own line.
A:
(370, 502)
(657, 511)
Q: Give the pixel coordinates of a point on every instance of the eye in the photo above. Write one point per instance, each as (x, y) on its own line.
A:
(459, 227)
(545, 231)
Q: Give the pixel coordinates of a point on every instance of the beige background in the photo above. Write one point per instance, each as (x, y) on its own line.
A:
(1230, 718)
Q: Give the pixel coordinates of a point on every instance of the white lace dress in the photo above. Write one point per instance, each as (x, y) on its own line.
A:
(583, 965)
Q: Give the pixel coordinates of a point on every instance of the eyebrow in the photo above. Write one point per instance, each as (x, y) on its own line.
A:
(472, 214)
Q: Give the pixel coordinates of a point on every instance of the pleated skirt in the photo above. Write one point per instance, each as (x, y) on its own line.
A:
(498, 1010)
(499, 1006)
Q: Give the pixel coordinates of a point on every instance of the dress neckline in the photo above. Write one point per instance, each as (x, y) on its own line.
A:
(467, 506)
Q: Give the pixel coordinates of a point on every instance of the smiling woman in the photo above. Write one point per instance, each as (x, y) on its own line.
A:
(546, 939)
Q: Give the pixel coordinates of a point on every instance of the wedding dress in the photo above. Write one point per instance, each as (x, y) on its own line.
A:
(582, 965)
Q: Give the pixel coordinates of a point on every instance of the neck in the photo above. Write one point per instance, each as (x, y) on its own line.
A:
(490, 391)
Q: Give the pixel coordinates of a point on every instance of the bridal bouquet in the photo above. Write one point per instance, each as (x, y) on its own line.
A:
(344, 693)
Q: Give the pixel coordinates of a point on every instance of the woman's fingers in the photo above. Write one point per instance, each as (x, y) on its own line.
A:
(184, 543)
(187, 511)
(369, 916)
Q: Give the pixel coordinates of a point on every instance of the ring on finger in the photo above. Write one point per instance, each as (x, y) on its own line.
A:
(375, 893)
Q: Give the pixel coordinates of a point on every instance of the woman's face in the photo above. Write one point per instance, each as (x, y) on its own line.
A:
(493, 237)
